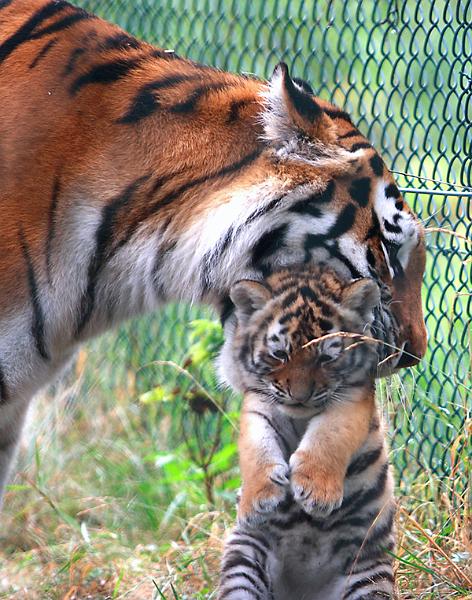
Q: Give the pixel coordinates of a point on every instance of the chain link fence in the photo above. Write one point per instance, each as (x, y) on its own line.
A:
(403, 70)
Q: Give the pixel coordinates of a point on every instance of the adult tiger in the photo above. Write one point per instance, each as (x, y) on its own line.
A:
(130, 176)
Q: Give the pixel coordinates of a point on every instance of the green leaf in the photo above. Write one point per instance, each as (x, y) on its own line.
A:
(76, 556)
(224, 459)
(17, 487)
(117, 584)
(156, 395)
(163, 459)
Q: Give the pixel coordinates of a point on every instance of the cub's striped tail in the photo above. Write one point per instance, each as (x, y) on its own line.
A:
(244, 567)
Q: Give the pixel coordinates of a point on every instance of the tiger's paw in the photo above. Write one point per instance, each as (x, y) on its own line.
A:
(261, 496)
(318, 489)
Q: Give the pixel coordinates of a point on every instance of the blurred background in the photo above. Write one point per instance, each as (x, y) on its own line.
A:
(127, 486)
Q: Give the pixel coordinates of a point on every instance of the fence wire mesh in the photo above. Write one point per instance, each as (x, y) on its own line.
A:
(403, 70)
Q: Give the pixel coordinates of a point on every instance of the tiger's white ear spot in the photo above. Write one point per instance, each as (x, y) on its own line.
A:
(303, 85)
(249, 296)
(401, 231)
(277, 126)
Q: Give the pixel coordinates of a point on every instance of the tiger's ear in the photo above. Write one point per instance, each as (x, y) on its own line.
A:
(304, 85)
(291, 110)
(362, 296)
(248, 296)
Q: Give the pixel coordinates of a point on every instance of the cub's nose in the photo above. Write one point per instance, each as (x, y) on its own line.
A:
(301, 393)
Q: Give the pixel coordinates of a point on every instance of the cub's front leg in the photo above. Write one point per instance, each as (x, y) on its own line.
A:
(264, 469)
(319, 465)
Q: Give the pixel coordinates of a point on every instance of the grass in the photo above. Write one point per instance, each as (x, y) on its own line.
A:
(132, 496)
(128, 470)
(121, 491)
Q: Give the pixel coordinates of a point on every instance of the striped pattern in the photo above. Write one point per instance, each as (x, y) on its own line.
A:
(35, 28)
(288, 545)
(305, 304)
(37, 325)
(344, 556)
(3, 387)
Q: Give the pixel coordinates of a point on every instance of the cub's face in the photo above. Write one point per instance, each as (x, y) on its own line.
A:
(275, 342)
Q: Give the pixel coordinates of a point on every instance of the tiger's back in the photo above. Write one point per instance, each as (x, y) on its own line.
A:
(77, 94)
(91, 115)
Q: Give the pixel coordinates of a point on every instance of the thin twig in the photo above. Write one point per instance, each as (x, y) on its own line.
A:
(457, 185)
(352, 346)
(431, 216)
(364, 338)
(387, 358)
(382, 362)
(43, 494)
(373, 524)
(361, 339)
(448, 231)
(346, 334)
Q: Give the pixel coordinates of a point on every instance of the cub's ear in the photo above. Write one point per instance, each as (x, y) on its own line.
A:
(291, 110)
(249, 296)
(362, 296)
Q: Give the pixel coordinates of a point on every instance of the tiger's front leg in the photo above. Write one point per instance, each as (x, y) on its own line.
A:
(319, 465)
(264, 468)
(12, 414)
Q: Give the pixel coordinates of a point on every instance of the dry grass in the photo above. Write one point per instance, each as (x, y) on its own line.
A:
(62, 540)
(96, 565)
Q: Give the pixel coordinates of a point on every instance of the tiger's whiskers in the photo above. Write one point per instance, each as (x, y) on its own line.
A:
(389, 357)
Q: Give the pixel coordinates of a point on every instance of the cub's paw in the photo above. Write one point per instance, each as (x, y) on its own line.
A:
(261, 496)
(318, 489)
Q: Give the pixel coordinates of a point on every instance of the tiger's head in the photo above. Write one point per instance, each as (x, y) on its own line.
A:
(377, 232)
(275, 342)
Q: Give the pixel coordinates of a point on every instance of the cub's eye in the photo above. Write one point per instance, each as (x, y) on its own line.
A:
(326, 358)
(280, 355)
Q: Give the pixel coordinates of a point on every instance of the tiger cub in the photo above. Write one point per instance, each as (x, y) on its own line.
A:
(315, 516)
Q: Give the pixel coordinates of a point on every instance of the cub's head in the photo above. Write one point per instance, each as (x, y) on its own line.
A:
(268, 347)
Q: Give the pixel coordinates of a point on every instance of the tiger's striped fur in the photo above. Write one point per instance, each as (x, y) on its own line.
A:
(130, 177)
(315, 516)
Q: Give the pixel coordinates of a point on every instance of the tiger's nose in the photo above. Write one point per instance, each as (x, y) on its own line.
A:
(409, 357)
